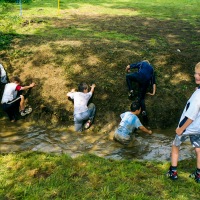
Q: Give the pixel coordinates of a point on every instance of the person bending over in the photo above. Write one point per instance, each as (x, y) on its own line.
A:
(13, 101)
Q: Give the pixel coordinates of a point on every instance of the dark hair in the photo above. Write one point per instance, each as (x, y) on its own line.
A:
(15, 78)
(82, 87)
(135, 105)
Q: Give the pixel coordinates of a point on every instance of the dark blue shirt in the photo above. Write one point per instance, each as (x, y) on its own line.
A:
(145, 71)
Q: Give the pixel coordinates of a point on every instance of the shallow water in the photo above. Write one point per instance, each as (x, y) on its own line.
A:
(20, 136)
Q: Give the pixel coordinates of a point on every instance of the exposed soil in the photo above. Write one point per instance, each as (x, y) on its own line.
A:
(67, 50)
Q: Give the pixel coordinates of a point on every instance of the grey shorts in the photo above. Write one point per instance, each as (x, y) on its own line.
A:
(194, 139)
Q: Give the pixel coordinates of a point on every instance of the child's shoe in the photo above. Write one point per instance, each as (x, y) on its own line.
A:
(173, 175)
(196, 176)
(26, 111)
(131, 95)
(87, 124)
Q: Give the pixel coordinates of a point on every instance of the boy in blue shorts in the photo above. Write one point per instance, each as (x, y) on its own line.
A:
(189, 127)
(129, 122)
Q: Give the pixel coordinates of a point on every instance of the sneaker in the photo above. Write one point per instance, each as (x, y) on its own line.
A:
(26, 111)
(195, 176)
(131, 94)
(173, 175)
(88, 124)
(144, 113)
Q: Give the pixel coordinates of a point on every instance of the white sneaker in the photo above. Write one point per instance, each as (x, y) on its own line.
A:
(88, 124)
(26, 111)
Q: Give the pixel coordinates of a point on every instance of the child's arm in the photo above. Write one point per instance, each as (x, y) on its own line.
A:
(28, 86)
(154, 90)
(92, 87)
(131, 66)
(142, 128)
(69, 93)
(180, 130)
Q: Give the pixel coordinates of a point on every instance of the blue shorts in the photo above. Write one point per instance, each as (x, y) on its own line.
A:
(194, 139)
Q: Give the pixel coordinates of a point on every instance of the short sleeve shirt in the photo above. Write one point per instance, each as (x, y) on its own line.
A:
(192, 111)
(129, 122)
(80, 101)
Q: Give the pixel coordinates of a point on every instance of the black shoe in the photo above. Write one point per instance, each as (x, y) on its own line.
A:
(131, 95)
(173, 175)
(196, 176)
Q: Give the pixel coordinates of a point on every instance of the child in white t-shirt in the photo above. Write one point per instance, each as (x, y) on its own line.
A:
(82, 111)
(189, 127)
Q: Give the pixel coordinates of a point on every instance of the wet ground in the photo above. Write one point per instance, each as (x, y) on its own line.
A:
(21, 136)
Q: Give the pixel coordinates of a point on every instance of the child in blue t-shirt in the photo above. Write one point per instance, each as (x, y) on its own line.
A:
(129, 122)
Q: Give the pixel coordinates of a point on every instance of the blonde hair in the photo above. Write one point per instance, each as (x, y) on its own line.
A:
(146, 61)
(197, 66)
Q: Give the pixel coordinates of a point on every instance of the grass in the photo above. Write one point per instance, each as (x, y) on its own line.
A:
(93, 41)
(35, 175)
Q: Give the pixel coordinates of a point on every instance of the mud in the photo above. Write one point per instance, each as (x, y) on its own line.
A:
(21, 137)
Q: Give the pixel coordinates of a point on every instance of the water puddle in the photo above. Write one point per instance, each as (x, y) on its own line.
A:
(23, 136)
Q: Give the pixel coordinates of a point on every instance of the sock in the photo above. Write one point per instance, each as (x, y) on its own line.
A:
(173, 168)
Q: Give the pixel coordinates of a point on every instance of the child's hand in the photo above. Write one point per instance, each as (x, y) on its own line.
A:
(179, 131)
(73, 90)
(150, 132)
(32, 85)
(127, 69)
(93, 85)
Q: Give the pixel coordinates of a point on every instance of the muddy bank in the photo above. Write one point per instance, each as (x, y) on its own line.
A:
(24, 136)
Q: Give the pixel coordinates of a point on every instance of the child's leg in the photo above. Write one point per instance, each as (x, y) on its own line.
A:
(92, 111)
(131, 77)
(78, 126)
(174, 156)
(197, 150)
(79, 119)
(22, 103)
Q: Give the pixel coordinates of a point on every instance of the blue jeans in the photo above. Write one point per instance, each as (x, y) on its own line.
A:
(142, 87)
(81, 117)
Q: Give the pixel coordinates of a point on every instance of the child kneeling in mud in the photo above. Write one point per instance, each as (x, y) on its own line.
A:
(129, 122)
(82, 112)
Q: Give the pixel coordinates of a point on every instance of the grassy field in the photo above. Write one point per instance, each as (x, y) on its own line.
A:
(94, 41)
(43, 176)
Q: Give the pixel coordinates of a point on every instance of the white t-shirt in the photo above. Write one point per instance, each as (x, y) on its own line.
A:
(192, 111)
(10, 92)
(80, 101)
(3, 72)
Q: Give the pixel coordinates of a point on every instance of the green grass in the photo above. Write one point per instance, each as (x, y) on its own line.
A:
(97, 39)
(35, 175)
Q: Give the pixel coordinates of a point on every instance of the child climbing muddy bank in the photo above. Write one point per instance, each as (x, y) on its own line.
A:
(13, 101)
(82, 111)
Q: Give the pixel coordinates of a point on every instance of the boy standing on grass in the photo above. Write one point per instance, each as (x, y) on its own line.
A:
(82, 112)
(189, 126)
(129, 122)
(12, 100)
